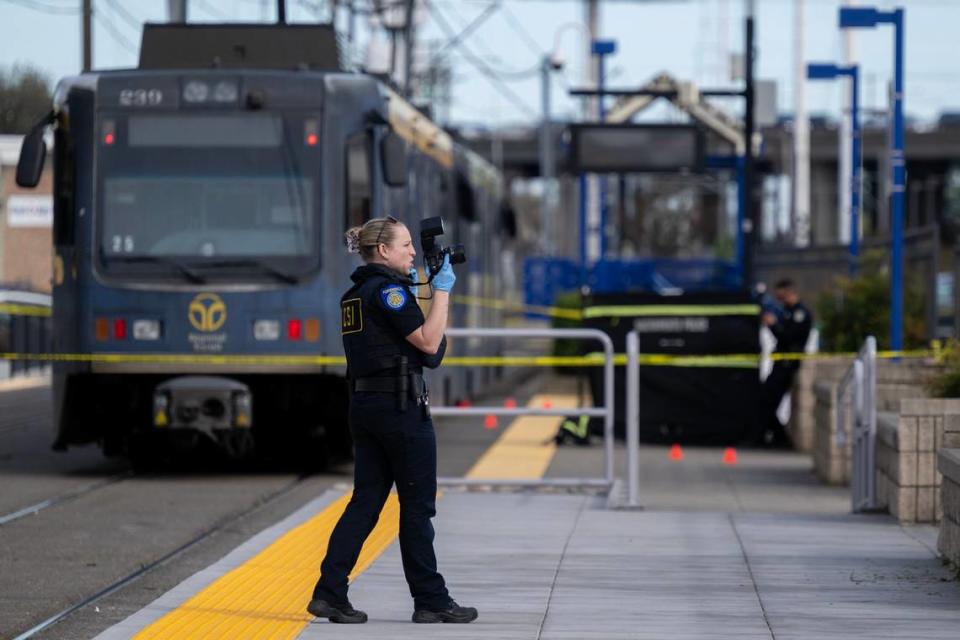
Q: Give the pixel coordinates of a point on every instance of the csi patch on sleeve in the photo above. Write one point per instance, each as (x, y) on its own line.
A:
(400, 308)
(393, 297)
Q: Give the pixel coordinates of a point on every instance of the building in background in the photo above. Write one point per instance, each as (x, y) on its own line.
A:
(26, 224)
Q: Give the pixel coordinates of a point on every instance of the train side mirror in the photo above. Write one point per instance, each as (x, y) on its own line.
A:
(33, 153)
(393, 156)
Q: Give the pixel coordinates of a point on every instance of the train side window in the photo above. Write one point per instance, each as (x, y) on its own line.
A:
(64, 189)
(359, 186)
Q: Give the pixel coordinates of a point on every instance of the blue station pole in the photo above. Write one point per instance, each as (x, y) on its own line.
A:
(899, 180)
(856, 168)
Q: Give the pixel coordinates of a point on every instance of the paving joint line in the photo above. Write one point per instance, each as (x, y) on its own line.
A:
(556, 573)
(756, 589)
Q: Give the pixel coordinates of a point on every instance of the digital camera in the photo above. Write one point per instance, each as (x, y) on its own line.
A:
(433, 251)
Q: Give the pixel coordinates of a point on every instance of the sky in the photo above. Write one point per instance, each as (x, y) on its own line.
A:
(691, 39)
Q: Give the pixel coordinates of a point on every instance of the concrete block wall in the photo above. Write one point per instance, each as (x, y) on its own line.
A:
(803, 400)
(830, 461)
(948, 542)
(896, 382)
(908, 482)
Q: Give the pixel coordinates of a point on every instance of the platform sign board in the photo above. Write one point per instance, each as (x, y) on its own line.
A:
(30, 211)
(636, 148)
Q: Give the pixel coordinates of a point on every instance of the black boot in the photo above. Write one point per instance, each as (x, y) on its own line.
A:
(452, 613)
(342, 613)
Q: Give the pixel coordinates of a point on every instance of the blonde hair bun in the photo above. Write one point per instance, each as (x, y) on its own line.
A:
(352, 239)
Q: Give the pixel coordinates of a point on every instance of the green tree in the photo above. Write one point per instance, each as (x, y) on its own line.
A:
(24, 98)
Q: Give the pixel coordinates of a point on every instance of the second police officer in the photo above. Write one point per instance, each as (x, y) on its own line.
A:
(387, 342)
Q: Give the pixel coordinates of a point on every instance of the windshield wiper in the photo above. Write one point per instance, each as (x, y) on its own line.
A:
(190, 274)
(264, 266)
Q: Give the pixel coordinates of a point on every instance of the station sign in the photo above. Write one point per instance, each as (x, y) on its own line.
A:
(30, 211)
(636, 148)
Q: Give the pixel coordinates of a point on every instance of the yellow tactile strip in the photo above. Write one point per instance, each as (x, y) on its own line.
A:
(526, 447)
(266, 596)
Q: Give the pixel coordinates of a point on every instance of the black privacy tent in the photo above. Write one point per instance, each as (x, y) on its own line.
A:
(710, 399)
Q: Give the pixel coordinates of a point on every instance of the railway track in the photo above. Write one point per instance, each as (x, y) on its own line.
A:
(221, 524)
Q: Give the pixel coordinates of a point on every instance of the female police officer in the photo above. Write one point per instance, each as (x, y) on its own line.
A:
(387, 342)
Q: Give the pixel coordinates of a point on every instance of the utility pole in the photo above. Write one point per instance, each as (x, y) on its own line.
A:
(281, 11)
(750, 225)
(87, 51)
(408, 35)
(801, 132)
(177, 11)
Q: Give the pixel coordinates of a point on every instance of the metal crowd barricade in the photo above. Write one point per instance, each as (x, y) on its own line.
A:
(861, 380)
(606, 411)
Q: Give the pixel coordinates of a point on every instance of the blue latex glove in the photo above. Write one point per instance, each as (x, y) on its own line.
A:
(445, 278)
(413, 275)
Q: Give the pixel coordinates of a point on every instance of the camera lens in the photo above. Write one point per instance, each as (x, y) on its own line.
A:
(457, 254)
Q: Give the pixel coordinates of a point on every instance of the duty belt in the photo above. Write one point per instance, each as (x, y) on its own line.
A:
(391, 384)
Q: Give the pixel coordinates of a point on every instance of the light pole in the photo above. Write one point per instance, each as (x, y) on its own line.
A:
(821, 71)
(549, 64)
(867, 18)
(601, 49)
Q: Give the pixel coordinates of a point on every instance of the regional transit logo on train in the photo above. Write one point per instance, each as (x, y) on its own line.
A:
(207, 312)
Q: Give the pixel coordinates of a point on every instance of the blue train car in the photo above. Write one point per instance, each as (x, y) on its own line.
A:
(199, 215)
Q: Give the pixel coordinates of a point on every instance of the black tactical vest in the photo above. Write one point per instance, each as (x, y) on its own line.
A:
(376, 315)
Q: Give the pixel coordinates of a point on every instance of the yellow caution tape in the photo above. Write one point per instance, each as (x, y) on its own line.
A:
(24, 310)
(737, 360)
(660, 310)
(505, 305)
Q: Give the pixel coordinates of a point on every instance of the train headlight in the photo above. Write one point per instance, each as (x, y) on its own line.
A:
(266, 330)
(196, 91)
(242, 409)
(161, 409)
(146, 329)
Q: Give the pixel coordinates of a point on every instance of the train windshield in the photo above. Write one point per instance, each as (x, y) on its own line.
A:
(208, 188)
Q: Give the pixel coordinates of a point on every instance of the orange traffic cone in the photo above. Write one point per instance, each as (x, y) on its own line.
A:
(490, 422)
(510, 403)
(729, 456)
(676, 453)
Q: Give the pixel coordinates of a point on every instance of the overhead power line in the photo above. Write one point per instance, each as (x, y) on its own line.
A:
(43, 7)
(117, 35)
(125, 15)
(479, 64)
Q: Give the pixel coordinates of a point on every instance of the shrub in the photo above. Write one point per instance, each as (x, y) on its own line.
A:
(947, 384)
(860, 307)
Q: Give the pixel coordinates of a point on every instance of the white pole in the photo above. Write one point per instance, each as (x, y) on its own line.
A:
(801, 132)
(592, 19)
(845, 177)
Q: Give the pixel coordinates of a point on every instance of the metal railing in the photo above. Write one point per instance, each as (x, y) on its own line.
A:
(606, 411)
(859, 386)
(633, 419)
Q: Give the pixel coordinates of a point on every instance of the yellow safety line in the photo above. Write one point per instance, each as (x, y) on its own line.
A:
(266, 596)
(520, 451)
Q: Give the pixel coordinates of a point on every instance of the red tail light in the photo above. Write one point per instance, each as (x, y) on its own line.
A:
(119, 329)
(294, 329)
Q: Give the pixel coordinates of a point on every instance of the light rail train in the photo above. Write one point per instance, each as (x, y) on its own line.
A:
(200, 203)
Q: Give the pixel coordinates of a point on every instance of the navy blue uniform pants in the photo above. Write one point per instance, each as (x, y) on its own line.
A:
(390, 447)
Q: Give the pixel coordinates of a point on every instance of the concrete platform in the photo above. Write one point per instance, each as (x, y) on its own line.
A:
(563, 566)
